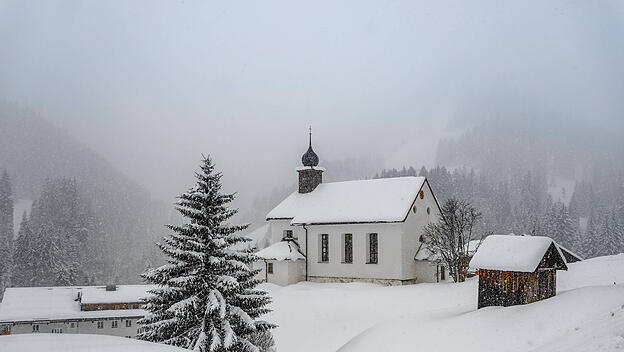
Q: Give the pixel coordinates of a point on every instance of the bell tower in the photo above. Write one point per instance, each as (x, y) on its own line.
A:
(310, 175)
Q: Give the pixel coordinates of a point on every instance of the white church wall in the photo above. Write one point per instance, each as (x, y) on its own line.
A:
(285, 272)
(389, 244)
(412, 230)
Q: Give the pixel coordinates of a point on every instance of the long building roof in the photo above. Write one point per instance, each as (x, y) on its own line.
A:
(60, 303)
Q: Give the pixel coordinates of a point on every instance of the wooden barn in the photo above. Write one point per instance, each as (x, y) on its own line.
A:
(517, 269)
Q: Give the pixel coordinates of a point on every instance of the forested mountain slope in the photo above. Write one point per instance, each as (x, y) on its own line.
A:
(34, 150)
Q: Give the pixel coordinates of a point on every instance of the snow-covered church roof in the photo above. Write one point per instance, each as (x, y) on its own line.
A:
(283, 250)
(362, 201)
(512, 253)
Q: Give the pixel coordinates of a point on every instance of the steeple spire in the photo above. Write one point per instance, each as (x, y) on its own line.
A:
(310, 158)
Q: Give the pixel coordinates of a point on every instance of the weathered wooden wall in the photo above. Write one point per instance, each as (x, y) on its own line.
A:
(507, 288)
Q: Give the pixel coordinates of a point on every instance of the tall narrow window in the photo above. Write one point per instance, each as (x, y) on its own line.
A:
(324, 247)
(348, 248)
(114, 324)
(128, 323)
(372, 248)
(269, 268)
(100, 325)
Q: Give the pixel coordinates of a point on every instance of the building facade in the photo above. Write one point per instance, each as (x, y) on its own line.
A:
(112, 310)
(364, 230)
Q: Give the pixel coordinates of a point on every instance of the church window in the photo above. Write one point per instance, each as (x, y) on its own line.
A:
(324, 247)
(348, 248)
(269, 268)
(372, 248)
(288, 234)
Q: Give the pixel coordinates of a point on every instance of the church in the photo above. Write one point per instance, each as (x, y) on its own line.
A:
(363, 230)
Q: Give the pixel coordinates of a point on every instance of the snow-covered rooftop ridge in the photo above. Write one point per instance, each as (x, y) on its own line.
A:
(283, 250)
(123, 294)
(52, 303)
(511, 253)
(376, 200)
(301, 168)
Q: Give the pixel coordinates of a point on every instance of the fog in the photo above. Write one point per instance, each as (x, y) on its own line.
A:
(153, 85)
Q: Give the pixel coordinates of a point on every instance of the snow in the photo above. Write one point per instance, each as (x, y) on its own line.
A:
(511, 253)
(79, 343)
(378, 200)
(443, 317)
(283, 250)
(48, 303)
(301, 168)
(124, 293)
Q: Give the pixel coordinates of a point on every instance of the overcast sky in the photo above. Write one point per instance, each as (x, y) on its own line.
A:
(153, 84)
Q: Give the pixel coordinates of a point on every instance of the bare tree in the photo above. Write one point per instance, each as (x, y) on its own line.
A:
(449, 238)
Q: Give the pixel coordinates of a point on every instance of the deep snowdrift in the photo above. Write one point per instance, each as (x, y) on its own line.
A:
(79, 343)
(586, 315)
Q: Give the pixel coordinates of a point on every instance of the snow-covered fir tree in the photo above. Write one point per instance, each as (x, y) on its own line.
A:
(62, 240)
(559, 225)
(6, 230)
(206, 298)
(24, 257)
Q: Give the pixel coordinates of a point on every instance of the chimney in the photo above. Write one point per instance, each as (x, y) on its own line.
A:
(310, 175)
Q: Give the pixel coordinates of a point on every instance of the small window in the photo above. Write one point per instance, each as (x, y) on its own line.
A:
(128, 323)
(72, 325)
(324, 248)
(372, 248)
(288, 234)
(269, 268)
(348, 248)
(35, 328)
(414, 209)
(421, 238)
(443, 273)
(114, 324)
(428, 210)
(100, 325)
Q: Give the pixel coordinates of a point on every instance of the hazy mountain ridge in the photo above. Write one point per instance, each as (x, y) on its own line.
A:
(33, 150)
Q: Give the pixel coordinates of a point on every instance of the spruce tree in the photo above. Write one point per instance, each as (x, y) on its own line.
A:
(206, 298)
(6, 230)
(24, 262)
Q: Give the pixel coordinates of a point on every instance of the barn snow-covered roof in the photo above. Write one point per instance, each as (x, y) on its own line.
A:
(362, 201)
(512, 253)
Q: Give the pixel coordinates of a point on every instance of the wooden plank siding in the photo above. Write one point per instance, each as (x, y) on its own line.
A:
(111, 306)
(508, 288)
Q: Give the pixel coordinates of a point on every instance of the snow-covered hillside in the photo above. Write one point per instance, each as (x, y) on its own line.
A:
(586, 315)
(79, 343)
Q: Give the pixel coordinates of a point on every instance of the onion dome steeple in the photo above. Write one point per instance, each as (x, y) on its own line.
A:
(310, 158)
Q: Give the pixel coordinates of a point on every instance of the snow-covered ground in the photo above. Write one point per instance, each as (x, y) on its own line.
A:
(586, 315)
(79, 343)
